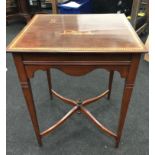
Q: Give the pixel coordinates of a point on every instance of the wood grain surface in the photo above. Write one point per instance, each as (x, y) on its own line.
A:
(78, 33)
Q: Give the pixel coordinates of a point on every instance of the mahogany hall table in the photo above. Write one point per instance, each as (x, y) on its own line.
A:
(76, 45)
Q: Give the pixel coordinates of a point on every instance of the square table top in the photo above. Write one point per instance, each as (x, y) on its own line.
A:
(98, 33)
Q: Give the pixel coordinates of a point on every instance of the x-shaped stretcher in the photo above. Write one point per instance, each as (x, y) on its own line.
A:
(79, 106)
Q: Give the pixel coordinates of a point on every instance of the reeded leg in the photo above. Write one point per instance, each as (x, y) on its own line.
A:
(49, 83)
(110, 83)
(129, 84)
(26, 87)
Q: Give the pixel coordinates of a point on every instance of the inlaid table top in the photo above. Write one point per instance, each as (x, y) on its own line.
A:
(78, 33)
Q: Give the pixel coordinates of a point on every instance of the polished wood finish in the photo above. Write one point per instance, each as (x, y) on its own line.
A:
(88, 101)
(26, 87)
(77, 33)
(73, 110)
(80, 107)
(66, 100)
(97, 123)
(77, 45)
(129, 84)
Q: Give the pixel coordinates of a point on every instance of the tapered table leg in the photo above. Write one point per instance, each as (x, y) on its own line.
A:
(31, 107)
(49, 83)
(110, 83)
(124, 107)
(26, 87)
(129, 84)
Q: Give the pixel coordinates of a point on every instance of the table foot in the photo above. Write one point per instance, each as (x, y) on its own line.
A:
(116, 144)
